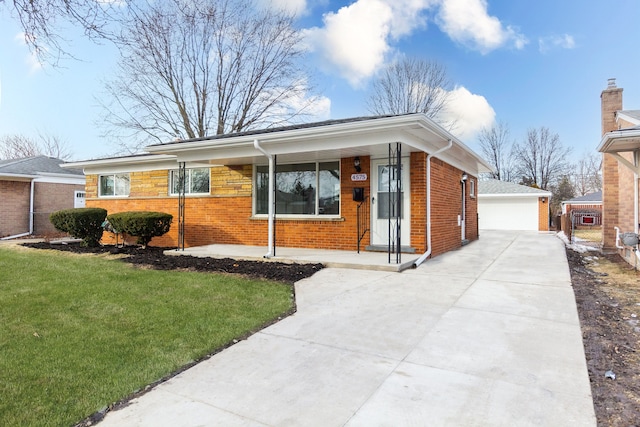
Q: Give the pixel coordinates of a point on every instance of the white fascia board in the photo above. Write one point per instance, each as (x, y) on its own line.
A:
(16, 177)
(132, 164)
(609, 139)
(61, 179)
(516, 195)
(581, 203)
(119, 162)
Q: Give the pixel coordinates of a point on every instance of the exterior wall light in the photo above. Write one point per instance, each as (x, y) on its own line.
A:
(356, 164)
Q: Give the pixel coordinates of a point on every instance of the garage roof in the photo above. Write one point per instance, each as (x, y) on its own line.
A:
(497, 188)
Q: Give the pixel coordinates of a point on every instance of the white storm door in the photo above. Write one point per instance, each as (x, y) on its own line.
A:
(383, 182)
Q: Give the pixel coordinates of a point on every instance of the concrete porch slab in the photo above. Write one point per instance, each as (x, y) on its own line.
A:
(330, 258)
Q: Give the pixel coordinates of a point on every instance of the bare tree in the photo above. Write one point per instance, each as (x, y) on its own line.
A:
(587, 177)
(496, 146)
(43, 21)
(19, 146)
(410, 86)
(541, 159)
(193, 69)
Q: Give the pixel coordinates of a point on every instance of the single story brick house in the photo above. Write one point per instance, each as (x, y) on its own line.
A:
(586, 210)
(508, 206)
(590, 201)
(31, 189)
(395, 183)
(620, 147)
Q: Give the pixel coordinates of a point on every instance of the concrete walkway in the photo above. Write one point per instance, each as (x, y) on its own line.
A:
(486, 335)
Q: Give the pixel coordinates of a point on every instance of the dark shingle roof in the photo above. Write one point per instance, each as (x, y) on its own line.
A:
(283, 128)
(35, 166)
(591, 197)
(494, 186)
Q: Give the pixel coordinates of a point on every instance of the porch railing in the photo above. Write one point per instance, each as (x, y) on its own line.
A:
(363, 220)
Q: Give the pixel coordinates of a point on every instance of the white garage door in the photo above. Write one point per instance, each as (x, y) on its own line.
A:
(508, 213)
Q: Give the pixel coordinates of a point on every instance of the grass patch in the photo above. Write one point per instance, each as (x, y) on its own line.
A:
(81, 332)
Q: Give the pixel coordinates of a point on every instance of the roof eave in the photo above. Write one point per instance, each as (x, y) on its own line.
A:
(325, 131)
(611, 142)
(151, 158)
(541, 194)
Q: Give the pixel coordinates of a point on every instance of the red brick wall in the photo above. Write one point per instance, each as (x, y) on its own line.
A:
(14, 208)
(446, 205)
(543, 214)
(48, 198)
(225, 216)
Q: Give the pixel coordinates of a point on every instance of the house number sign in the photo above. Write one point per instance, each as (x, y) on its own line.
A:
(358, 177)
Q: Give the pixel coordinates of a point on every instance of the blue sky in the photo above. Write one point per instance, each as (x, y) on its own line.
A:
(528, 64)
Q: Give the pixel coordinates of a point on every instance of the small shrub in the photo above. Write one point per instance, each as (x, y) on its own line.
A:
(143, 225)
(81, 223)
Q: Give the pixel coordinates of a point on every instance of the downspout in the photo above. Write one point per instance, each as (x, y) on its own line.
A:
(636, 161)
(429, 249)
(463, 216)
(31, 204)
(269, 253)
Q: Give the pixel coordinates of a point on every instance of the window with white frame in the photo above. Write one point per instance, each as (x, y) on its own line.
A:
(472, 188)
(301, 189)
(196, 181)
(114, 185)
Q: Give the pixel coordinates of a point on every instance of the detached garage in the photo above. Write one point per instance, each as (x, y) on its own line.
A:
(507, 206)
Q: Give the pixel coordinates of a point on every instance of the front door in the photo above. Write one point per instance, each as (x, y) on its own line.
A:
(383, 182)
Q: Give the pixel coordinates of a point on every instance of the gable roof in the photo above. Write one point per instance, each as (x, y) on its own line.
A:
(631, 116)
(497, 188)
(587, 199)
(38, 167)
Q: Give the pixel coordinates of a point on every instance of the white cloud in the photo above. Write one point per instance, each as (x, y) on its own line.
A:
(31, 59)
(564, 41)
(466, 113)
(468, 22)
(294, 7)
(316, 108)
(356, 39)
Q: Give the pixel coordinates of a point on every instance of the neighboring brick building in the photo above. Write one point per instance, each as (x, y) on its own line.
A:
(30, 189)
(328, 175)
(620, 146)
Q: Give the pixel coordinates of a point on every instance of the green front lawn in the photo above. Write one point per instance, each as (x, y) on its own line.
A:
(80, 332)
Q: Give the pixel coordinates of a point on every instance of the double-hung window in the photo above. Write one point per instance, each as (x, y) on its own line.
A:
(196, 181)
(300, 189)
(114, 185)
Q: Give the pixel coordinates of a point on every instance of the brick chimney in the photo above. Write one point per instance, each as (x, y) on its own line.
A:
(611, 103)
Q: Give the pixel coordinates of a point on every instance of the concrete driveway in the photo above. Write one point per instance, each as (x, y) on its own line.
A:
(486, 335)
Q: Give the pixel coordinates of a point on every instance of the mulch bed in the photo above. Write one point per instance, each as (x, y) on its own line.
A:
(154, 257)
